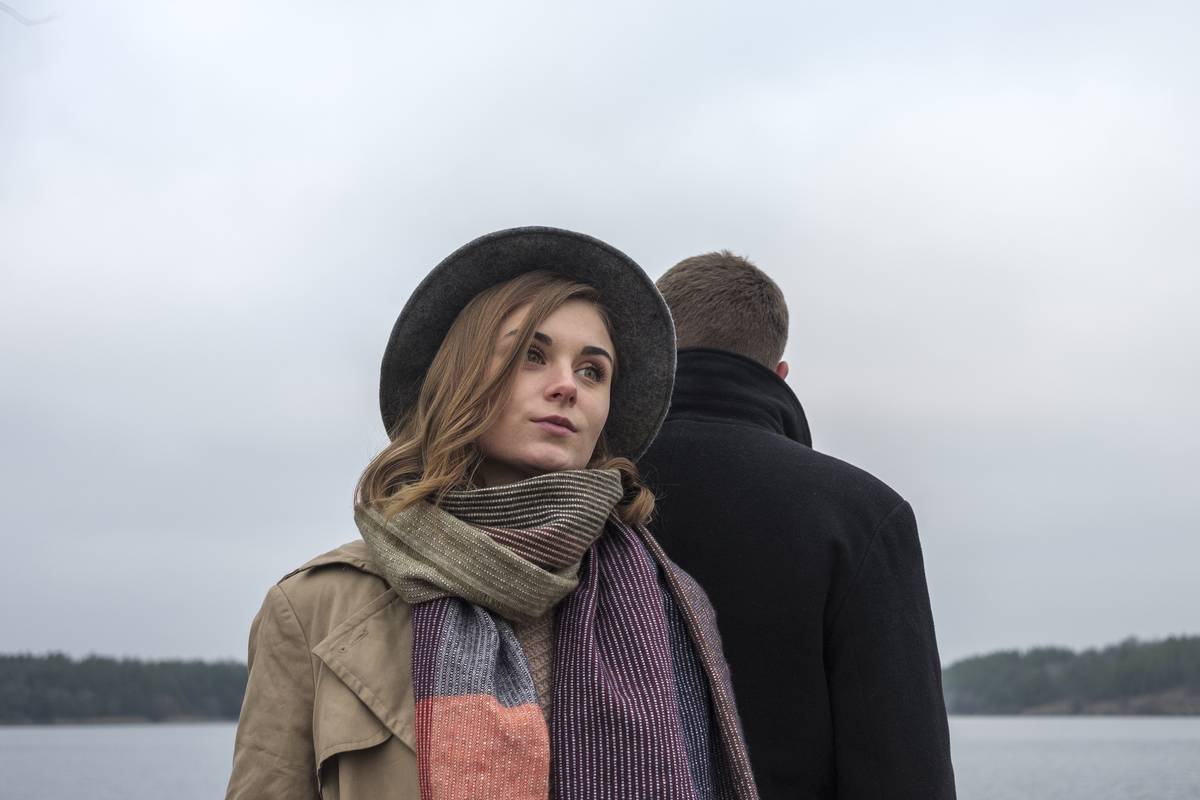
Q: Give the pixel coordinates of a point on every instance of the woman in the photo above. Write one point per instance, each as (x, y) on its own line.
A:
(505, 628)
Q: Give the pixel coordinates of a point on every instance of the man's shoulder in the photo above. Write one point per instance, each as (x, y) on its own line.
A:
(762, 463)
(840, 477)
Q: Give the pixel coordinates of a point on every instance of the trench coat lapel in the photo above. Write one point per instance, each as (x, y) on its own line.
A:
(371, 653)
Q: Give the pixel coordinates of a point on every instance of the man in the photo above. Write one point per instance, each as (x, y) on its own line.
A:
(813, 565)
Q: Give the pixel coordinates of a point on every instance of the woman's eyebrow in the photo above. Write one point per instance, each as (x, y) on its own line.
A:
(592, 350)
(541, 337)
(588, 350)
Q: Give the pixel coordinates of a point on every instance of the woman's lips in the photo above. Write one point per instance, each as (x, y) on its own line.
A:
(553, 427)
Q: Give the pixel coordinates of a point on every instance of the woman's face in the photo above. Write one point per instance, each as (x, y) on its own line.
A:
(559, 399)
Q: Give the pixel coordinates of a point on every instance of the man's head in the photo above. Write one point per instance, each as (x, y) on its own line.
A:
(723, 301)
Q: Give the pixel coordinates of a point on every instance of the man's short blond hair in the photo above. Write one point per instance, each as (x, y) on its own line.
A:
(723, 301)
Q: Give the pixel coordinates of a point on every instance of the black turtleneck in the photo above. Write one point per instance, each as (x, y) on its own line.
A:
(815, 570)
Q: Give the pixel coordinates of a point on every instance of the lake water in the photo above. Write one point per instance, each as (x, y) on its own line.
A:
(1076, 758)
(995, 758)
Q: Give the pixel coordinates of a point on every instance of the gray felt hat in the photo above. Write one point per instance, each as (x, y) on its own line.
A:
(642, 329)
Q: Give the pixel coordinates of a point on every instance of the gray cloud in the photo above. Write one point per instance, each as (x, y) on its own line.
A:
(209, 216)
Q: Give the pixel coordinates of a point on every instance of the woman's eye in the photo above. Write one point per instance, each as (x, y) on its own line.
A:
(534, 355)
(592, 373)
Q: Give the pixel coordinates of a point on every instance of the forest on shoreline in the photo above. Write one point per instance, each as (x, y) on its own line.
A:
(56, 688)
(1133, 677)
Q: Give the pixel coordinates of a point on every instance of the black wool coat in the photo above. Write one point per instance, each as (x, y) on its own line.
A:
(815, 570)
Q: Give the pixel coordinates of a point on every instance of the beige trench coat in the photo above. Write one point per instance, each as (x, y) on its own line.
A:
(328, 711)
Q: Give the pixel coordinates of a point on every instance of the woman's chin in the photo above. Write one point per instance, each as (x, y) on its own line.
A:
(499, 471)
(553, 461)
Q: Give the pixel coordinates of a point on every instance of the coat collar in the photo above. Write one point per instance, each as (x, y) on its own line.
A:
(354, 553)
(717, 385)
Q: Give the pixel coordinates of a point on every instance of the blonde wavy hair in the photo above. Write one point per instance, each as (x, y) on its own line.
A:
(434, 448)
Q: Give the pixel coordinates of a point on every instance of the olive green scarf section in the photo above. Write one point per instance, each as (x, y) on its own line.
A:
(425, 552)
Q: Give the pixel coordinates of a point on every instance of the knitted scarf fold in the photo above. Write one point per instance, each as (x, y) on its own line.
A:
(641, 706)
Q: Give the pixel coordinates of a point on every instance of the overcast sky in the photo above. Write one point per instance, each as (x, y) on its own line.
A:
(986, 219)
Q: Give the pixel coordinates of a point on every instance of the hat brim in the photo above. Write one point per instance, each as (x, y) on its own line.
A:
(642, 330)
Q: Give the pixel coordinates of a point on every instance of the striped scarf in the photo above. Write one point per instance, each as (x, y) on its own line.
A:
(641, 701)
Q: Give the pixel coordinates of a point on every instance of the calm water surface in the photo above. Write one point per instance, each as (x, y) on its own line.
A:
(1076, 758)
(995, 758)
(116, 762)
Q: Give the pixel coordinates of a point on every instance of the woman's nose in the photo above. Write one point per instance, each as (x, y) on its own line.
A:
(561, 387)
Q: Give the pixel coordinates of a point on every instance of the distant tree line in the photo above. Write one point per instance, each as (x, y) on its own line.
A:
(1054, 678)
(57, 688)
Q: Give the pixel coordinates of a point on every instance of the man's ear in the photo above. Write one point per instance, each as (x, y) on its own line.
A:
(781, 369)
